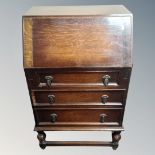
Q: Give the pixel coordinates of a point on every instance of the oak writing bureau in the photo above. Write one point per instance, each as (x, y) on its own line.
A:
(77, 63)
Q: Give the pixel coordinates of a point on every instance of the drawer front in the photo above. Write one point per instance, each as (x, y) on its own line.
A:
(73, 116)
(80, 78)
(57, 78)
(78, 97)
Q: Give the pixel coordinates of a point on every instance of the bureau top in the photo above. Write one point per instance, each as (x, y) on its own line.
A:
(77, 36)
(105, 10)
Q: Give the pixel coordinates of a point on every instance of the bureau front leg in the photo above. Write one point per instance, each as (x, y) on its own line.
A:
(42, 139)
(116, 136)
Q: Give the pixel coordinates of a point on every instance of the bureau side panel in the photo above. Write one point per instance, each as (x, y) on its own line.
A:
(27, 42)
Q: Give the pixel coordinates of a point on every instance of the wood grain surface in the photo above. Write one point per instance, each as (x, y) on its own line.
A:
(78, 97)
(27, 42)
(76, 41)
(78, 66)
(81, 78)
(77, 116)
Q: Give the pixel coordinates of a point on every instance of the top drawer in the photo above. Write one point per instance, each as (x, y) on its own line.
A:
(55, 78)
(77, 41)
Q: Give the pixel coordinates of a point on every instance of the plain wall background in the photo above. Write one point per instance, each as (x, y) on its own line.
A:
(16, 118)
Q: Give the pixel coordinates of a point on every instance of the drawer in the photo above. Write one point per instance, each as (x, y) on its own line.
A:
(108, 97)
(78, 116)
(59, 78)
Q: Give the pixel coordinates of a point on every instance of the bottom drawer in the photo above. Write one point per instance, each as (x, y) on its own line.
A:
(78, 116)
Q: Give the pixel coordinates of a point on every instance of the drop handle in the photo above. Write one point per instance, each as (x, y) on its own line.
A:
(102, 118)
(49, 80)
(53, 117)
(104, 98)
(106, 80)
(51, 98)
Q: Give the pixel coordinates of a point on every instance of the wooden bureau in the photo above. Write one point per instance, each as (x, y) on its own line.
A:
(77, 63)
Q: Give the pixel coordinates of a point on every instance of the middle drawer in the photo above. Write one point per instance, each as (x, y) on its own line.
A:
(77, 97)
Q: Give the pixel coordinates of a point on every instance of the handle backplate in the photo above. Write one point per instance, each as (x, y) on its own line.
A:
(106, 79)
(102, 118)
(51, 98)
(49, 80)
(53, 117)
(104, 98)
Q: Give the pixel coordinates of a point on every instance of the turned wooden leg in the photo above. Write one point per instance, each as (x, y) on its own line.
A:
(116, 136)
(41, 137)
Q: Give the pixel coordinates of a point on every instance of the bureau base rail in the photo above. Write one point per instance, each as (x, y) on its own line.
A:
(114, 144)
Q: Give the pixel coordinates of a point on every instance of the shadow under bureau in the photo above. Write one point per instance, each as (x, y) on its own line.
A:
(77, 62)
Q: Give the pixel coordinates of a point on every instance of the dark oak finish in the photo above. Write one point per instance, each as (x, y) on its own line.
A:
(78, 97)
(115, 139)
(77, 62)
(79, 115)
(79, 37)
(78, 77)
(43, 143)
(41, 137)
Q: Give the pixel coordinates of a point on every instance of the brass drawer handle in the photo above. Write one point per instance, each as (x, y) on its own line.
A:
(53, 117)
(104, 98)
(106, 80)
(49, 80)
(51, 98)
(102, 118)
